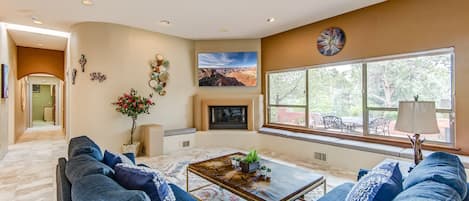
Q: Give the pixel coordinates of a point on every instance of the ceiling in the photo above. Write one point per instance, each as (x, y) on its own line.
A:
(202, 19)
(28, 39)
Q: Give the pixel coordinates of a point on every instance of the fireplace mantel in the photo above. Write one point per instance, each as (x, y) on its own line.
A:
(253, 103)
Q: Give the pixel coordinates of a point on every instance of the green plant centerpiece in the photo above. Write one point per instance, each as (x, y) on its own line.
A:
(132, 105)
(250, 163)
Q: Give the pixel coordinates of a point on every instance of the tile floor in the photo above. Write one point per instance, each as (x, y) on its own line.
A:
(27, 173)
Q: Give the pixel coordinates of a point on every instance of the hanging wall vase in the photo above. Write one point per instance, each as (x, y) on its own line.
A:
(159, 75)
(74, 75)
(82, 62)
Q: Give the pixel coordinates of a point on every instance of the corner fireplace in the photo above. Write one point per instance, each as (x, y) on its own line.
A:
(228, 117)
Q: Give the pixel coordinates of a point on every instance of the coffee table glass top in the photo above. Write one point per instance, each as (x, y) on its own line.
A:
(287, 181)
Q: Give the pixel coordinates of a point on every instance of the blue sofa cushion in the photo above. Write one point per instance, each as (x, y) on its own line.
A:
(439, 167)
(84, 145)
(467, 196)
(382, 183)
(102, 188)
(429, 191)
(180, 194)
(85, 165)
(339, 193)
(112, 159)
(142, 178)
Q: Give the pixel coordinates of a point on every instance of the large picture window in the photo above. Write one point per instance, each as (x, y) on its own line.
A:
(362, 97)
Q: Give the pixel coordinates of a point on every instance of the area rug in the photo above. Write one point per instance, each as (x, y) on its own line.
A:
(174, 168)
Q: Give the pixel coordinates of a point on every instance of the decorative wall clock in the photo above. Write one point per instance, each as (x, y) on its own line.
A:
(331, 41)
(159, 75)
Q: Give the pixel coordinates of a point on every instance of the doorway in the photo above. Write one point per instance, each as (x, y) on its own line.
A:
(44, 101)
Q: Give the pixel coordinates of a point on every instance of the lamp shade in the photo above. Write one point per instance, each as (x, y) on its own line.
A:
(417, 117)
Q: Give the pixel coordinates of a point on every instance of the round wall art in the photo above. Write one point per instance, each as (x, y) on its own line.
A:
(159, 75)
(331, 41)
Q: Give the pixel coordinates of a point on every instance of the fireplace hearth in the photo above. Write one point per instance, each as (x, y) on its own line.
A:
(228, 117)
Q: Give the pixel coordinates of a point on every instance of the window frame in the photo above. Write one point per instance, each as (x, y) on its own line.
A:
(269, 105)
(365, 108)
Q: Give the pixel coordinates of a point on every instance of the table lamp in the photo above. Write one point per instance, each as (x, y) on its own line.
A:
(417, 117)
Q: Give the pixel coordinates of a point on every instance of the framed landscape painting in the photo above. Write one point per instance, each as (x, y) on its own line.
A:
(4, 81)
(227, 69)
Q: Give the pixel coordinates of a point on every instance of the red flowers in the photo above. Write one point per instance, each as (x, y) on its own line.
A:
(132, 105)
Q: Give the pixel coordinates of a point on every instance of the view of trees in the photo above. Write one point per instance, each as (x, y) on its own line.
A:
(401, 79)
(337, 91)
(288, 88)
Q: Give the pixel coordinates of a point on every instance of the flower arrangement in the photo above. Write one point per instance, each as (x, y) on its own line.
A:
(133, 105)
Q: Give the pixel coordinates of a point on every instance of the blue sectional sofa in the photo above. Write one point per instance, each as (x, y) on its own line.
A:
(83, 177)
(439, 177)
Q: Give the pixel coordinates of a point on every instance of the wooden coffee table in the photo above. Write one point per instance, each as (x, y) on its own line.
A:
(288, 182)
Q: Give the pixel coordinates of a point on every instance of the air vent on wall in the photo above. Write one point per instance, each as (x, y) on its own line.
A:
(320, 156)
(186, 143)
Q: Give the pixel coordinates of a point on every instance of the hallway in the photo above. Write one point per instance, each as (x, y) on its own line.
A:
(27, 173)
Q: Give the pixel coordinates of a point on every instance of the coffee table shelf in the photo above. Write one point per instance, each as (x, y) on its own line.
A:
(288, 182)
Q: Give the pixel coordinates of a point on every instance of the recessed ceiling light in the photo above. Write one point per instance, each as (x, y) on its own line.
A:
(36, 20)
(270, 19)
(87, 2)
(165, 22)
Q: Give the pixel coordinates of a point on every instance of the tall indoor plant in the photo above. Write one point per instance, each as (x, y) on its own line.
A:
(133, 105)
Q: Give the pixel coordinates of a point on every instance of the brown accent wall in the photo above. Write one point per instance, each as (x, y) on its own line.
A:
(34, 60)
(392, 27)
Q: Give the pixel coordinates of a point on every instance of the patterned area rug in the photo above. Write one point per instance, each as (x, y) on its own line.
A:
(174, 168)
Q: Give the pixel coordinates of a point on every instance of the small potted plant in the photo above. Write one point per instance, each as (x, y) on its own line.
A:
(268, 174)
(250, 163)
(233, 162)
(238, 160)
(133, 105)
(263, 171)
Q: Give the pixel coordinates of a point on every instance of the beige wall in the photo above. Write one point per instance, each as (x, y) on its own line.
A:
(229, 46)
(123, 54)
(392, 27)
(7, 56)
(35, 60)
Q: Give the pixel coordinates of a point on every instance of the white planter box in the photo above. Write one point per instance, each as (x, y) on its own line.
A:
(132, 148)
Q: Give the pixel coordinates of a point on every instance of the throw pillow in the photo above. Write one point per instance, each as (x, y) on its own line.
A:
(382, 183)
(84, 165)
(145, 179)
(101, 188)
(84, 145)
(112, 159)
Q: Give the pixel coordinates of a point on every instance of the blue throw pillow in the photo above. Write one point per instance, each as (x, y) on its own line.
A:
(112, 159)
(440, 167)
(429, 191)
(382, 183)
(84, 145)
(131, 156)
(145, 179)
(85, 165)
(101, 188)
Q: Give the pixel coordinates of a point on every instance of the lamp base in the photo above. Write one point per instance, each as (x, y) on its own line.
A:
(416, 142)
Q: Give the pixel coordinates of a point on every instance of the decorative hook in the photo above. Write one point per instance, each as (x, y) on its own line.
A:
(82, 62)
